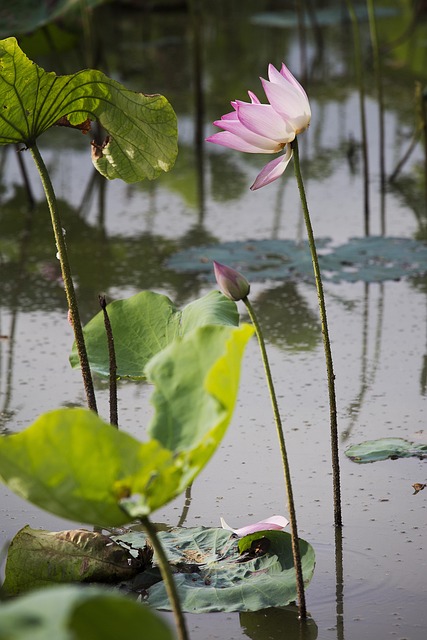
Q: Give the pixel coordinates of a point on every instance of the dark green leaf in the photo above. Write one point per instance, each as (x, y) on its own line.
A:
(22, 16)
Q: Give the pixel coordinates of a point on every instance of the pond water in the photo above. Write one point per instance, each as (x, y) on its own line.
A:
(121, 239)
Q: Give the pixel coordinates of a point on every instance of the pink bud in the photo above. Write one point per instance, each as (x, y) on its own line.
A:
(231, 282)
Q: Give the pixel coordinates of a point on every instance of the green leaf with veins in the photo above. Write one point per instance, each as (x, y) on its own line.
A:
(142, 129)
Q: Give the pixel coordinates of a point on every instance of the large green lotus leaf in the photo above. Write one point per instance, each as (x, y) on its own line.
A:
(211, 574)
(78, 613)
(384, 448)
(38, 558)
(142, 129)
(146, 323)
(72, 463)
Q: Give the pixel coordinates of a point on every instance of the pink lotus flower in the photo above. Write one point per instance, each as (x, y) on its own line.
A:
(274, 523)
(231, 282)
(267, 128)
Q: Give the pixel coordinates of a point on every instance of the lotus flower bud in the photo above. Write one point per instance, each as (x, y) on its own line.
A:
(232, 284)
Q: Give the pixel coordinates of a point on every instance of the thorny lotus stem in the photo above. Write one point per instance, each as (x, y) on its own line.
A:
(167, 578)
(114, 415)
(360, 82)
(66, 275)
(291, 506)
(326, 342)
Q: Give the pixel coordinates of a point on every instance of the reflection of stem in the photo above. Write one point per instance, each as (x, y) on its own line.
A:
(14, 305)
(114, 417)
(66, 275)
(25, 178)
(366, 378)
(167, 578)
(405, 157)
(378, 80)
(278, 210)
(199, 106)
(186, 507)
(326, 340)
(291, 506)
(339, 582)
(361, 86)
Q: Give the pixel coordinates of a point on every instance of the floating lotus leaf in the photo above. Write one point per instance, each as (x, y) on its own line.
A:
(211, 573)
(384, 448)
(372, 259)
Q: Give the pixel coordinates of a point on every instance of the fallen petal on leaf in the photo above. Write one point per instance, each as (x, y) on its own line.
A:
(272, 523)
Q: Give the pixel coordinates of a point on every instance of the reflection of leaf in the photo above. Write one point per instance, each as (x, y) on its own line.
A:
(270, 623)
(39, 558)
(142, 129)
(211, 577)
(145, 324)
(384, 448)
(373, 259)
(72, 463)
(89, 613)
(288, 320)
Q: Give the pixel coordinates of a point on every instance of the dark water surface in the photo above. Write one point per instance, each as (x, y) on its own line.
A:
(120, 238)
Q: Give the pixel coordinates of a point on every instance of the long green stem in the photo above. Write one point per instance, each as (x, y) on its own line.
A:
(326, 341)
(167, 578)
(66, 275)
(288, 481)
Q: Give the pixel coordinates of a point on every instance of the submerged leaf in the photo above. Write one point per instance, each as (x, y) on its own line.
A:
(211, 574)
(384, 448)
(39, 558)
(80, 613)
(142, 129)
(146, 323)
(72, 463)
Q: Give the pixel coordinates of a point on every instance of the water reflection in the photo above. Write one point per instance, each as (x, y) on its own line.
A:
(368, 366)
(276, 624)
(288, 320)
